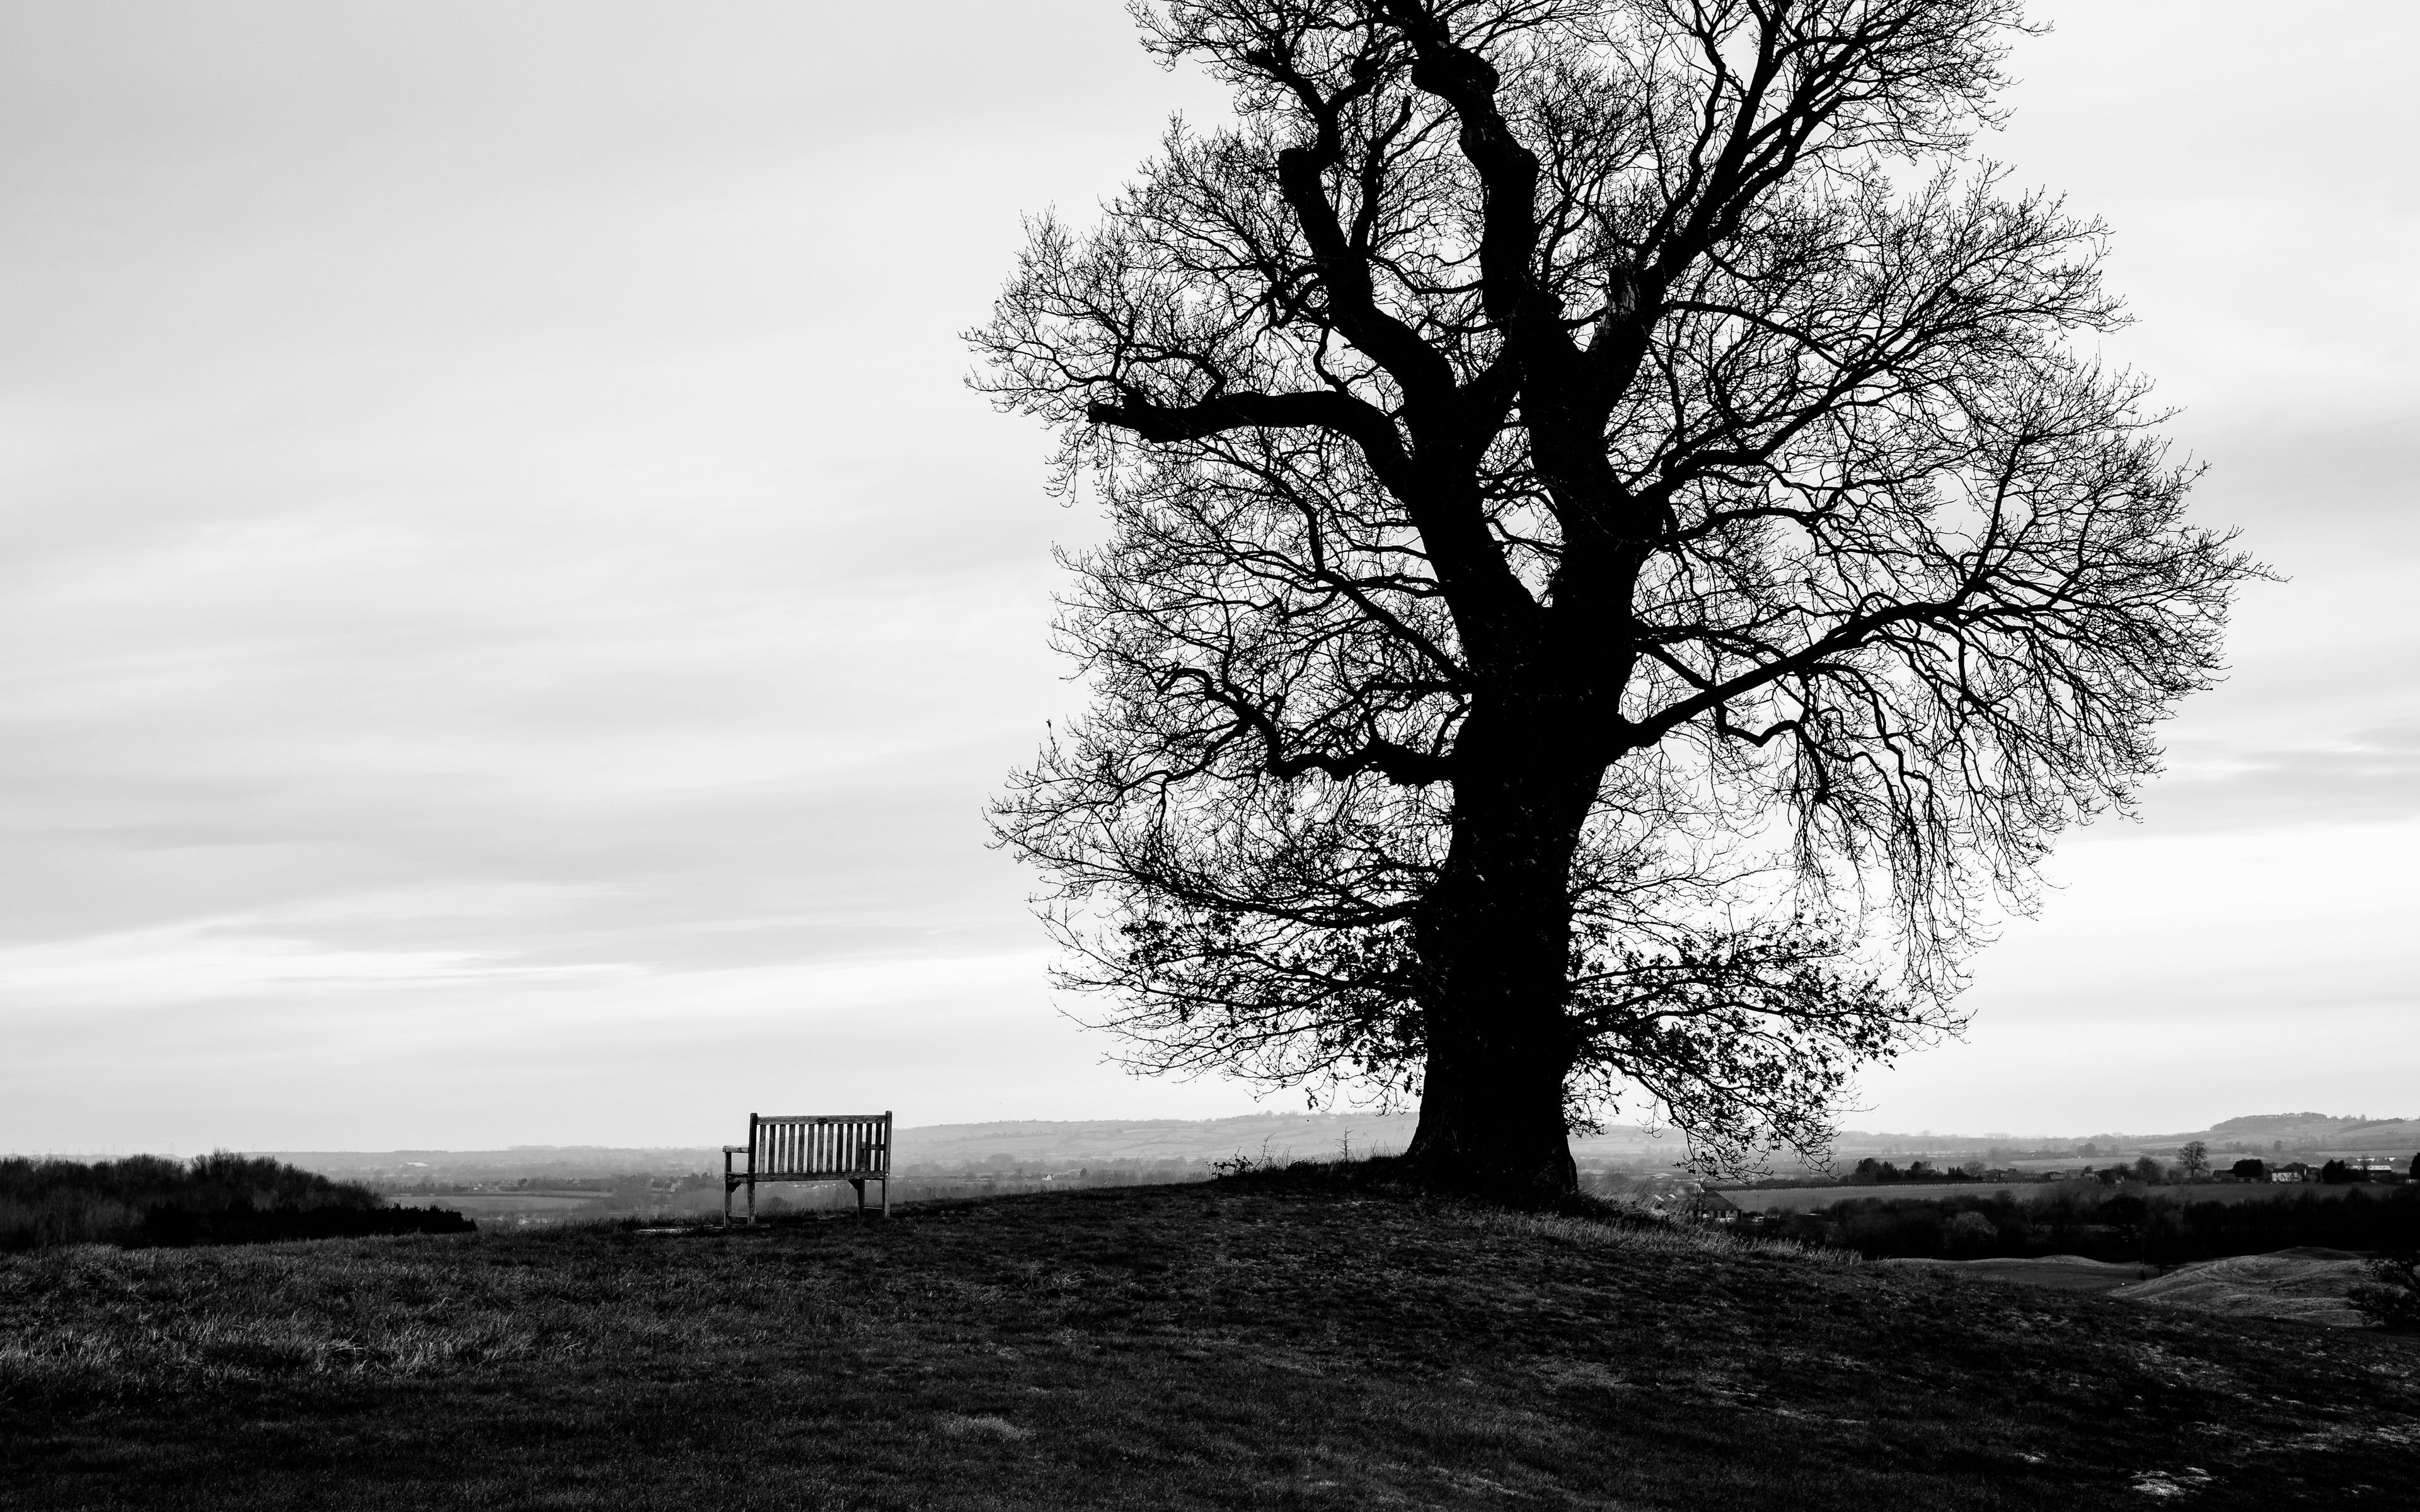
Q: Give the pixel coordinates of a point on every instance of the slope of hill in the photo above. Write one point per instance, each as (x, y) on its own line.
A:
(2268, 1123)
(2320, 1131)
(1296, 1342)
(2306, 1283)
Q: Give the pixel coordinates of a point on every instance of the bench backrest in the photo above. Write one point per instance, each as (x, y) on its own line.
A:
(821, 1146)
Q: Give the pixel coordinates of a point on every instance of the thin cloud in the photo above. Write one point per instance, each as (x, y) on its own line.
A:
(2373, 779)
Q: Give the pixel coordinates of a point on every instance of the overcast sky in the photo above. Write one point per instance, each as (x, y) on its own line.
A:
(508, 617)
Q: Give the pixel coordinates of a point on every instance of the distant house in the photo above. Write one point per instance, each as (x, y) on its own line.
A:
(1710, 1207)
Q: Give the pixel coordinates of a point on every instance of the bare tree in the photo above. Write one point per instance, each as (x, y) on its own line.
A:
(1615, 568)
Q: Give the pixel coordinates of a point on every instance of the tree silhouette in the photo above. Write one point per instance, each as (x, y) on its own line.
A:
(2194, 1158)
(1614, 569)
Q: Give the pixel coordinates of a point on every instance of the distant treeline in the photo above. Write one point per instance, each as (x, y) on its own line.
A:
(2105, 1224)
(2146, 1168)
(220, 1198)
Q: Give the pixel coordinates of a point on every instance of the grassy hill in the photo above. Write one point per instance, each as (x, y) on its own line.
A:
(1307, 1340)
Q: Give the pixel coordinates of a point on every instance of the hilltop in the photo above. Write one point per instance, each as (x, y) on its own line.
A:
(2315, 1129)
(1308, 1340)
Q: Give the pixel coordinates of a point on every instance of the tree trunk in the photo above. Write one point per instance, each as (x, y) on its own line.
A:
(1494, 937)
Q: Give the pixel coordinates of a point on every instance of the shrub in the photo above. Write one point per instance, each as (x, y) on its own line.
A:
(1970, 1234)
(218, 1198)
(2391, 1297)
(2109, 1223)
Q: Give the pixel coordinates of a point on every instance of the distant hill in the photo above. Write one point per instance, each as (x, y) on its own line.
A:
(2335, 1130)
(1257, 1136)
(1275, 1136)
(2262, 1123)
(1069, 1142)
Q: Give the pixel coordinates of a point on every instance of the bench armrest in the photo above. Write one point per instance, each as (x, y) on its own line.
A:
(735, 1149)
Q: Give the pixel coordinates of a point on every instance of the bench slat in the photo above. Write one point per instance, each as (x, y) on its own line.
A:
(821, 1118)
(833, 1147)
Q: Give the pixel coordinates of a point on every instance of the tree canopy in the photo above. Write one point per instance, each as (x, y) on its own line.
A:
(1621, 557)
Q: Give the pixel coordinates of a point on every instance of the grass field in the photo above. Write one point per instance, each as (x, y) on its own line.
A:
(1307, 1341)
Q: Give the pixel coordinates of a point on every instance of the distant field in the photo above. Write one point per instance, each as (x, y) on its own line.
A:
(1803, 1198)
(498, 1204)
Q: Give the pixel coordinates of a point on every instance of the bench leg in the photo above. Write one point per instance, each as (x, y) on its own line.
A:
(726, 1189)
(858, 1183)
(886, 1197)
(751, 1200)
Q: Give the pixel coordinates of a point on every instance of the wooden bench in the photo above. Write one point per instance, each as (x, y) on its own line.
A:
(837, 1146)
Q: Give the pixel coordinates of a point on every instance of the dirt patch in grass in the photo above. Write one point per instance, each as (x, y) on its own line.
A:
(1232, 1345)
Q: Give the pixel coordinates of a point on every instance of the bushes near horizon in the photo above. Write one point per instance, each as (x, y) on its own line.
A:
(218, 1198)
(2104, 1222)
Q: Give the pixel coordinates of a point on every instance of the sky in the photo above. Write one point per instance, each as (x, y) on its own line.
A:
(509, 616)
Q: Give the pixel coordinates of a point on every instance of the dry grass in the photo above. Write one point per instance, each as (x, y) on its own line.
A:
(1617, 1236)
(1242, 1345)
